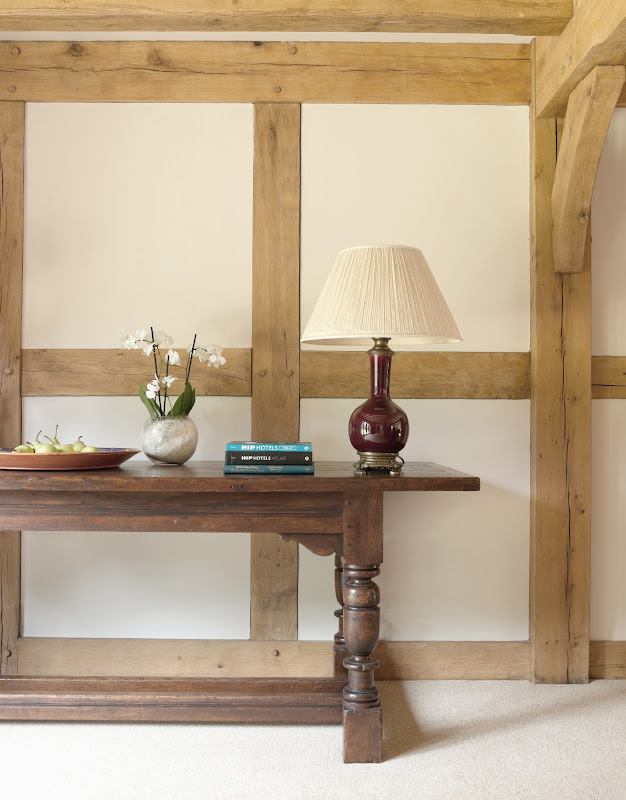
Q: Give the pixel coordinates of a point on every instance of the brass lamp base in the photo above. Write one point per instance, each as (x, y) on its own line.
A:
(384, 462)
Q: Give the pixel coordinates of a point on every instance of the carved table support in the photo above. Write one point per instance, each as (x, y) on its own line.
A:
(363, 551)
(340, 651)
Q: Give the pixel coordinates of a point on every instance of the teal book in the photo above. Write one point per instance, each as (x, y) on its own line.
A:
(269, 447)
(270, 469)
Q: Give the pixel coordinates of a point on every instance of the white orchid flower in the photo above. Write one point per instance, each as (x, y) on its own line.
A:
(173, 357)
(168, 380)
(216, 360)
(202, 353)
(152, 389)
(140, 335)
(147, 350)
(163, 339)
(128, 341)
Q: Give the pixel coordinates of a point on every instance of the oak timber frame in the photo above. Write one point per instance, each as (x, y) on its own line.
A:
(559, 374)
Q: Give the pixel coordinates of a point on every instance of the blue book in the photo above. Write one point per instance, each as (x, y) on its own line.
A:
(269, 469)
(268, 447)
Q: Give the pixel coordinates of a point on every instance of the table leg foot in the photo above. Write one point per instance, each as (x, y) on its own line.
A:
(363, 735)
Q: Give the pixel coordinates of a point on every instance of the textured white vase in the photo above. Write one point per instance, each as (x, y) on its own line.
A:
(171, 440)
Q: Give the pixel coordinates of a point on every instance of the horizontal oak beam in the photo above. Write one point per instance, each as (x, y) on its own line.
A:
(595, 36)
(607, 660)
(174, 658)
(244, 72)
(78, 373)
(608, 377)
(224, 658)
(243, 658)
(427, 375)
(332, 374)
(522, 17)
(118, 373)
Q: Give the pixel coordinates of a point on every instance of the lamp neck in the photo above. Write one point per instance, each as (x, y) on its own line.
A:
(380, 364)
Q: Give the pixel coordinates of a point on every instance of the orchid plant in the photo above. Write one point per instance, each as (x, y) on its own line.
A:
(155, 395)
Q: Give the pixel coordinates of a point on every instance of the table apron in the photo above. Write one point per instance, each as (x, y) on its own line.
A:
(171, 511)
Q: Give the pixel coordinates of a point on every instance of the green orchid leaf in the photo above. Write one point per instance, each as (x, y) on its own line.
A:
(188, 399)
(184, 402)
(175, 410)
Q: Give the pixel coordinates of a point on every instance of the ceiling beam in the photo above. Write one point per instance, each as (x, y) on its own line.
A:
(522, 17)
(595, 36)
(589, 113)
(253, 72)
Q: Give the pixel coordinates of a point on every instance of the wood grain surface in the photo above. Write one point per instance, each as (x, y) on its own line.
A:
(206, 477)
(424, 375)
(171, 700)
(116, 373)
(607, 660)
(275, 347)
(560, 439)
(522, 17)
(589, 113)
(11, 236)
(608, 376)
(595, 35)
(398, 660)
(174, 658)
(271, 72)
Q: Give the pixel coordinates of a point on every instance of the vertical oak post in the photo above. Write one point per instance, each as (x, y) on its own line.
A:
(275, 346)
(560, 435)
(11, 233)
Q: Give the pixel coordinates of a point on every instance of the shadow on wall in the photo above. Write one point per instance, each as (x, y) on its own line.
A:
(456, 566)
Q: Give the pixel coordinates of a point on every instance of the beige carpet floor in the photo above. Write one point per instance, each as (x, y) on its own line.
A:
(452, 740)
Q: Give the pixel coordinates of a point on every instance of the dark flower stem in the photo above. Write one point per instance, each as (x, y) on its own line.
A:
(167, 372)
(191, 352)
(156, 369)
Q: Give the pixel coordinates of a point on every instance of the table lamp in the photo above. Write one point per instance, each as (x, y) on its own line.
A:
(380, 292)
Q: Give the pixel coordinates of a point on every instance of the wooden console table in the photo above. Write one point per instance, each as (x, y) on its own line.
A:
(334, 511)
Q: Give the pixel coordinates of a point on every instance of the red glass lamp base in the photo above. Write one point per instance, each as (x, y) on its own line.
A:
(379, 428)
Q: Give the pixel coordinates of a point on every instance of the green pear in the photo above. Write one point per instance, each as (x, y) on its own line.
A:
(24, 448)
(90, 449)
(65, 448)
(78, 445)
(46, 448)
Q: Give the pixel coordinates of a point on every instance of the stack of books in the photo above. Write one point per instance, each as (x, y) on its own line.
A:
(269, 457)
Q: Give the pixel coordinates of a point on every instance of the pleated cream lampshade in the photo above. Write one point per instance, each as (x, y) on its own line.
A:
(382, 291)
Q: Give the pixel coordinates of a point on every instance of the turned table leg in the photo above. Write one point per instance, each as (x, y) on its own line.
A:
(340, 651)
(362, 713)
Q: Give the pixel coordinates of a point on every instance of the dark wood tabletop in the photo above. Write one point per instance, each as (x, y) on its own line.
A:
(208, 476)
